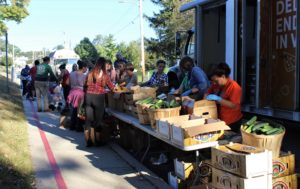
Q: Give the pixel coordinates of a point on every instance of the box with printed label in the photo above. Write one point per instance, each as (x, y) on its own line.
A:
(245, 161)
(197, 131)
(164, 125)
(287, 182)
(284, 165)
(226, 180)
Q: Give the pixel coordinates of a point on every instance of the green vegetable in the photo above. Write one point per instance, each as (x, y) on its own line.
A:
(251, 121)
(249, 129)
(258, 126)
(274, 131)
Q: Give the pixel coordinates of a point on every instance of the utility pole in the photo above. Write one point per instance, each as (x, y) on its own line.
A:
(6, 56)
(142, 39)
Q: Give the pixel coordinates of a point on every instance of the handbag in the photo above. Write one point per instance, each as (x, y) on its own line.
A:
(81, 113)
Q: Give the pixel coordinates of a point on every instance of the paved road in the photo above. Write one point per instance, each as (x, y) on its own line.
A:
(61, 160)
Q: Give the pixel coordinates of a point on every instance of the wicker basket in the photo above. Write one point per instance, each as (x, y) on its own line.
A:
(156, 114)
(270, 142)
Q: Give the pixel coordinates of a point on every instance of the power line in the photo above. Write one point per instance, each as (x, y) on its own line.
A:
(119, 19)
(132, 22)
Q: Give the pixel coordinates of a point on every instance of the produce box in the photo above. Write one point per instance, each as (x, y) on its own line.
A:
(131, 110)
(245, 161)
(116, 101)
(175, 182)
(286, 182)
(206, 109)
(164, 125)
(138, 93)
(142, 113)
(183, 169)
(225, 180)
(194, 132)
(284, 165)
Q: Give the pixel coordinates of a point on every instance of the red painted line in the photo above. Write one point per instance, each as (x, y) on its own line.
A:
(57, 174)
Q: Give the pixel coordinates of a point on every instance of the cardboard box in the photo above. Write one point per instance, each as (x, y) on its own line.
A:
(175, 182)
(197, 131)
(284, 165)
(225, 180)
(164, 125)
(183, 169)
(287, 182)
(206, 108)
(245, 161)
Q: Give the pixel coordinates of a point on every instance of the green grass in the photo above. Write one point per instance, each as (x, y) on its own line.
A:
(15, 161)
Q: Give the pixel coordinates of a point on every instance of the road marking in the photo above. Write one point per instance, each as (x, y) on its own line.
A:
(57, 174)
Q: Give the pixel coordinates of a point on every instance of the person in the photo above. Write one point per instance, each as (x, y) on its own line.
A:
(74, 67)
(121, 74)
(227, 93)
(76, 95)
(195, 83)
(158, 78)
(111, 71)
(131, 79)
(119, 58)
(64, 78)
(95, 84)
(25, 77)
(32, 72)
(41, 83)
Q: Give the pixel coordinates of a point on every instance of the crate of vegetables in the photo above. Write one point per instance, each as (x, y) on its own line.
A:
(142, 110)
(264, 134)
(162, 109)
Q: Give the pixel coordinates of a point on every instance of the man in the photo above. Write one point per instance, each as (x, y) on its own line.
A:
(64, 79)
(41, 83)
(120, 58)
(25, 77)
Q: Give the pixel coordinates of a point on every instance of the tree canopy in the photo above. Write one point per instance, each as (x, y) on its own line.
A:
(166, 23)
(12, 10)
(86, 50)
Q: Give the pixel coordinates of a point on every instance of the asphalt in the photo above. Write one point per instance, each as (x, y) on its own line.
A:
(61, 160)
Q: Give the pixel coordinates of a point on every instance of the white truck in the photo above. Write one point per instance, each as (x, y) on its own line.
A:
(63, 56)
(259, 40)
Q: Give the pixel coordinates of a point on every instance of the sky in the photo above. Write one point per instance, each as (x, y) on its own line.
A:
(51, 22)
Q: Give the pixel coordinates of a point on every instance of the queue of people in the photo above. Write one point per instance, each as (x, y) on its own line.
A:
(84, 90)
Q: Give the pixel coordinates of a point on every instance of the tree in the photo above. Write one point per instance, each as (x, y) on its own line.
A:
(58, 47)
(165, 23)
(12, 10)
(3, 61)
(105, 46)
(86, 50)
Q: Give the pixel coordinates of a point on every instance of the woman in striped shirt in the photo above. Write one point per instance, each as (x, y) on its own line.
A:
(96, 82)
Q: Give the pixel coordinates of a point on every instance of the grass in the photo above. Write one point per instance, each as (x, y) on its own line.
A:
(15, 161)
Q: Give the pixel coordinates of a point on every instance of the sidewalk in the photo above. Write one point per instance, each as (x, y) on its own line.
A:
(61, 160)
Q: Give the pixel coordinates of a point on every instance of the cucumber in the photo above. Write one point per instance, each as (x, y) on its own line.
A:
(249, 129)
(274, 131)
(258, 126)
(251, 121)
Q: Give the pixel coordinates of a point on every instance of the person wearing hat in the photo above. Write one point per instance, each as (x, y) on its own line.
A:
(43, 71)
(64, 79)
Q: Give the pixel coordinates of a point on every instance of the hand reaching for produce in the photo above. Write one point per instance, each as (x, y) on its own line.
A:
(195, 90)
(214, 97)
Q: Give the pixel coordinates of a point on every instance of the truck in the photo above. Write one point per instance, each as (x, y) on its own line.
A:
(258, 39)
(63, 56)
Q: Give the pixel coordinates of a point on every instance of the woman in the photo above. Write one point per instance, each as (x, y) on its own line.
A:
(195, 82)
(131, 79)
(121, 74)
(227, 93)
(76, 96)
(110, 71)
(32, 75)
(96, 82)
(64, 79)
(158, 78)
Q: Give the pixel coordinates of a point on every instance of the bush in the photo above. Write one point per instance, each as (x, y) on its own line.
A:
(3, 61)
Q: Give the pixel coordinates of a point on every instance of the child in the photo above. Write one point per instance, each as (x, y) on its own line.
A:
(56, 98)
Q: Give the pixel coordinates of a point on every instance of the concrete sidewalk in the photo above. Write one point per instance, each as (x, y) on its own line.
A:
(80, 167)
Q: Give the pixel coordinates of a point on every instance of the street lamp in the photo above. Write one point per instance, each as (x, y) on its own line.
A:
(142, 35)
